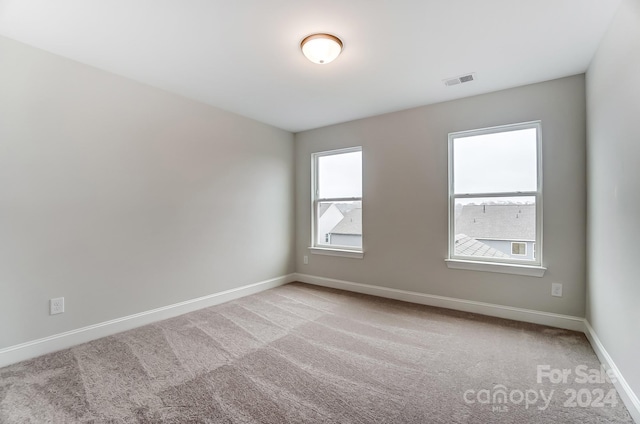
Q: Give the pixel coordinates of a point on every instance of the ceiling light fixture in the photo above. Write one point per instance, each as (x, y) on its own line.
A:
(321, 48)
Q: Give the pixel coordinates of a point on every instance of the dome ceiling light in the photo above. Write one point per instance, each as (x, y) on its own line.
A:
(321, 48)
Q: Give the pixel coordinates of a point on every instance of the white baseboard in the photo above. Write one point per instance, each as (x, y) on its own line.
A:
(71, 338)
(67, 339)
(518, 314)
(624, 390)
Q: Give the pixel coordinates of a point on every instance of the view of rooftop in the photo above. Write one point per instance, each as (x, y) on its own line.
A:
(497, 221)
(496, 229)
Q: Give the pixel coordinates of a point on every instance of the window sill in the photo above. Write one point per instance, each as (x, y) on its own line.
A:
(527, 270)
(355, 254)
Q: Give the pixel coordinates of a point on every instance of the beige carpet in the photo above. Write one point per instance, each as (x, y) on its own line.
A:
(303, 354)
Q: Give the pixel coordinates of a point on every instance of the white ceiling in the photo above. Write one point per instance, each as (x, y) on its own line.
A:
(244, 56)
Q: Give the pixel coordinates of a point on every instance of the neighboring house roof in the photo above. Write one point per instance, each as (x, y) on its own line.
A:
(468, 246)
(350, 224)
(501, 222)
(324, 207)
(346, 207)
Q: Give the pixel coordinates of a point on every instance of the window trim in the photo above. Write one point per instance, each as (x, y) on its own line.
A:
(488, 264)
(501, 268)
(326, 249)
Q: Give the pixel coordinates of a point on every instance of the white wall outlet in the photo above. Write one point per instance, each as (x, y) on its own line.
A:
(556, 289)
(56, 306)
(305, 259)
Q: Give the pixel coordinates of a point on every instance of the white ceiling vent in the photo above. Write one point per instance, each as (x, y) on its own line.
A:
(460, 80)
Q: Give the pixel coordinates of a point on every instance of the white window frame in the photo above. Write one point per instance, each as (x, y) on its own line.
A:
(530, 267)
(316, 246)
(534, 250)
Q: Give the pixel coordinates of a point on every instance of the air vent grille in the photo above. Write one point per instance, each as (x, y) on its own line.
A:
(466, 78)
(460, 80)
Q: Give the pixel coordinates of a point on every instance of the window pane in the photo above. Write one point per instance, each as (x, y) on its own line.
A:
(498, 227)
(519, 248)
(340, 175)
(495, 163)
(339, 224)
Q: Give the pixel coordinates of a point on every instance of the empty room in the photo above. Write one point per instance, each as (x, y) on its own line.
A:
(279, 211)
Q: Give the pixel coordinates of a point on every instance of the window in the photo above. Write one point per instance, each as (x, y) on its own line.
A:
(519, 249)
(534, 250)
(495, 197)
(337, 202)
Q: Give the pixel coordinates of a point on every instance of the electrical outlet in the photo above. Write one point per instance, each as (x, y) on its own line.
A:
(305, 259)
(56, 306)
(556, 289)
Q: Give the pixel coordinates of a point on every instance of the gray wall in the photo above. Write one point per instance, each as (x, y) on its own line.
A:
(405, 197)
(613, 105)
(123, 198)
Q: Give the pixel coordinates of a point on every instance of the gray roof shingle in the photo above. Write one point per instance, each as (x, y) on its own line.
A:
(467, 246)
(500, 222)
(350, 224)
